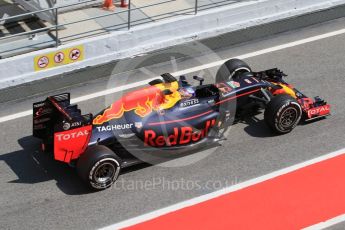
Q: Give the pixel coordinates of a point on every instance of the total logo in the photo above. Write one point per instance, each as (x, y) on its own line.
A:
(68, 136)
(181, 136)
(319, 111)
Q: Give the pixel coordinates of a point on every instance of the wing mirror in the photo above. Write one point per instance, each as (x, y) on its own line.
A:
(200, 79)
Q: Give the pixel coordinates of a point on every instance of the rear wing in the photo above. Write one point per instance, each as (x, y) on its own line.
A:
(56, 114)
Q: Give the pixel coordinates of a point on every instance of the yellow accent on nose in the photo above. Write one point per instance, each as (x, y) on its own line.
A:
(288, 90)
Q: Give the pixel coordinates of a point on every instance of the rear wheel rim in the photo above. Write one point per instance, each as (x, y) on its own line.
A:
(105, 173)
(289, 117)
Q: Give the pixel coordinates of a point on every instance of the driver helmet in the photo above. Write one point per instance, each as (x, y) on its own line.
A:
(187, 92)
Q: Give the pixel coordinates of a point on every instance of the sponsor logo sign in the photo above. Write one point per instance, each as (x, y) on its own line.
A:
(108, 128)
(233, 84)
(224, 88)
(138, 125)
(43, 120)
(39, 105)
(189, 102)
(67, 125)
(60, 57)
(68, 145)
(129, 135)
(319, 111)
(180, 136)
(248, 81)
(76, 123)
(72, 135)
(42, 111)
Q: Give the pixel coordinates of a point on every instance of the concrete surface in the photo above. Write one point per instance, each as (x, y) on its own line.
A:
(20, 44)
(80, 30)
(149, 37)
(37, 192)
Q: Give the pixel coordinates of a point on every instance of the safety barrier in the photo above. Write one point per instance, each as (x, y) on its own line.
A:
(56, 26)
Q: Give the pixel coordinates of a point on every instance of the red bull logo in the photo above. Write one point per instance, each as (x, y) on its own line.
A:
(142, 102)
(180, 136)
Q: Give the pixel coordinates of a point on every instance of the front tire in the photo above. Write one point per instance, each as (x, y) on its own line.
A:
(99, 167)
(232, 69)
(283, 113)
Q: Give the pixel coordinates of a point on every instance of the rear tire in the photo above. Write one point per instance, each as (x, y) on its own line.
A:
(99, 167)
(283, 113)
(232, 69)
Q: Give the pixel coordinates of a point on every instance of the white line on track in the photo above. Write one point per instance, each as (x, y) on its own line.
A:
(209, 196)
(327, 223)
(186, 71)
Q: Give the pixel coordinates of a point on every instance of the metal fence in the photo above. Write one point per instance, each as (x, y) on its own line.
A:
(56, 26)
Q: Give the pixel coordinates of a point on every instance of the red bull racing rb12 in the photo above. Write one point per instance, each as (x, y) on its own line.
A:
(168, 118)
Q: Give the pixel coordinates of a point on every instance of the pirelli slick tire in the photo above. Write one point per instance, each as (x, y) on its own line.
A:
(232, 69)
(283, 113)
(99, 167)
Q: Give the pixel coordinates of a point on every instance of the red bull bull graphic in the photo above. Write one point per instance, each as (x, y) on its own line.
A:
(142, 102)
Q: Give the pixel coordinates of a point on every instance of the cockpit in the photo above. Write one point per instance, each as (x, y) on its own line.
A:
(174, 90)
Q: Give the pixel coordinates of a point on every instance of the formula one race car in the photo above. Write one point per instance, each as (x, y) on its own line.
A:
(168, 114)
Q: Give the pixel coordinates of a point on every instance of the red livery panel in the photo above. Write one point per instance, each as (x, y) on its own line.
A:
(319, 111)
(70, 144)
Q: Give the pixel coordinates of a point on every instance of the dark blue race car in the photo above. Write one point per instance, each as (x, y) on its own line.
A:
(167, 118)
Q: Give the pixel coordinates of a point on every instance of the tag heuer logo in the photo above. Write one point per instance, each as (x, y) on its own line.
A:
(138, 125)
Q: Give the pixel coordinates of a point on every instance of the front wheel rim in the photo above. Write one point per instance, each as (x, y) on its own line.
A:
(289, 117)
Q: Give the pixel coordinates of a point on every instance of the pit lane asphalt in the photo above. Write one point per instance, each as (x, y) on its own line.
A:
(37, 193)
